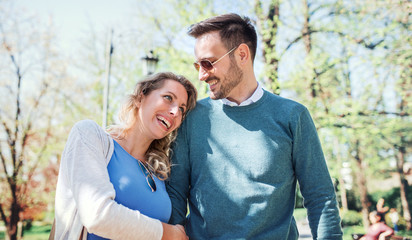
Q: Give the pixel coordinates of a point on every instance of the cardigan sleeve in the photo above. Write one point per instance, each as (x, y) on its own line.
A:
(84, 161)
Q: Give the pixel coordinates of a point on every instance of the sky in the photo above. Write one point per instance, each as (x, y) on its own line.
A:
(73, 17)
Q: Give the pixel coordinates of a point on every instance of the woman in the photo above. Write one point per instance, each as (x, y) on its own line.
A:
(378, 230)
(111, 185)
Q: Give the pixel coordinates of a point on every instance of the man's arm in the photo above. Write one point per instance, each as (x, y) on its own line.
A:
(178, 184)
(314, 180)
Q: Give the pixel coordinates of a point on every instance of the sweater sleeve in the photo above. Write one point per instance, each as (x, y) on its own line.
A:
(178, 183)
(314, 180)
(86, 167)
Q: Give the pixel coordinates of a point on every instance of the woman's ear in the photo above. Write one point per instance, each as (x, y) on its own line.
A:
(138, 100)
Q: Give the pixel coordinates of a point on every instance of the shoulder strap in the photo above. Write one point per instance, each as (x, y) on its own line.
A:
(53, 230)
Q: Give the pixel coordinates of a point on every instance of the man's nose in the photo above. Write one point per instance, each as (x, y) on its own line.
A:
(203, 74)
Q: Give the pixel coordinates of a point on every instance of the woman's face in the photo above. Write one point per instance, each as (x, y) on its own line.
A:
(161, 111)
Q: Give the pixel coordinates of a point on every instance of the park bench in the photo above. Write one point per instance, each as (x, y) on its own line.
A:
(395, 237)
(357, 236)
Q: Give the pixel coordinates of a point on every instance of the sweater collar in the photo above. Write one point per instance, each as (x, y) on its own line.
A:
(257, 94)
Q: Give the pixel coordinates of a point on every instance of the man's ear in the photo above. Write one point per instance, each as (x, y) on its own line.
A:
(243, 53)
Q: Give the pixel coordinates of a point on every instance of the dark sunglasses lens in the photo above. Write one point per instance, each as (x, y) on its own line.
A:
(151, 182)
(207, 65)
(197, 66)
(149, 178)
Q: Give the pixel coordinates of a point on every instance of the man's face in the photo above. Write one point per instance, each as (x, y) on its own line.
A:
(225, 76)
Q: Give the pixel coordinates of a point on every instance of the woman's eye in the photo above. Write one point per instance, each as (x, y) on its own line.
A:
(182, 109)
(169, 98)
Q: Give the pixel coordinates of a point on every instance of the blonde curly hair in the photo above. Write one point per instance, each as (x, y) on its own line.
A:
(157, 156)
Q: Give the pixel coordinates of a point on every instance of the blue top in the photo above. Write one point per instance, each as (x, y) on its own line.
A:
(132, 189)
(238, 168)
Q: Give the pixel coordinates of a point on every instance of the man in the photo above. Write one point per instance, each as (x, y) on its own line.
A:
(240, 153)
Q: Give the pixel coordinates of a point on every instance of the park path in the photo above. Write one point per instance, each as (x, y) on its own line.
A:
(304, 230)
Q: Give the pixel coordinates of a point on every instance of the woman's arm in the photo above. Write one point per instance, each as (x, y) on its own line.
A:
(88, 186)
(385, 234)
(172, 232)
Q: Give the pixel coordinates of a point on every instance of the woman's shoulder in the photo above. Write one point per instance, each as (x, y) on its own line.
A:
(89, 131)
(92, 134)
(86, 124)
(88, 127)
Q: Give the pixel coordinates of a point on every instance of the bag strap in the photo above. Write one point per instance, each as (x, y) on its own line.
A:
(53, 230)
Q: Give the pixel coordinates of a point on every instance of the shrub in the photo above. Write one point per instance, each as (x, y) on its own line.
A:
(351, 218)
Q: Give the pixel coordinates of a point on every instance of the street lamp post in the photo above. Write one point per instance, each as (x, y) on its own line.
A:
(150, 63)
(149, 66)
(109, 53)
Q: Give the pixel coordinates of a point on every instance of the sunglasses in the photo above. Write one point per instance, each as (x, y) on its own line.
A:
(208, 65)
(149, 176)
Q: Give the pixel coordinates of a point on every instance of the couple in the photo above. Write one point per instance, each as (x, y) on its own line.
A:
(235, 162)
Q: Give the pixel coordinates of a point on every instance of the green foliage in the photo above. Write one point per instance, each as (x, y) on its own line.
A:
(299, 198)
(349, 230)
(355, 79)
(391, 197)
(351, 218)
(353, 200)
(300, 214)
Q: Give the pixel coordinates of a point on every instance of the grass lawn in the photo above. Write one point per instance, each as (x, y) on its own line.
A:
(41, 231)
(37, 232)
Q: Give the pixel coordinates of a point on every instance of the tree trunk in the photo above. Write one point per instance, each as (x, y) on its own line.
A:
(12, 226)
(20, 230)
(268, 27)
(342, 189)
(308, 46)
(403, 187)
(343, 197)
(363, 190)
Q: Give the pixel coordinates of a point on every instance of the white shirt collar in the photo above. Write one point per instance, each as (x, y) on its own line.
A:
(254, 98)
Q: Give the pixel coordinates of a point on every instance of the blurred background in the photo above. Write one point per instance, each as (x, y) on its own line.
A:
(349, 62)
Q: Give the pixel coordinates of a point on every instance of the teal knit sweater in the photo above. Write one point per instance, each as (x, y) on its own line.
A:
(238, 168)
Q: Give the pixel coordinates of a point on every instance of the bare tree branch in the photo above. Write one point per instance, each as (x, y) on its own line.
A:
(362, 41)
(3, 215)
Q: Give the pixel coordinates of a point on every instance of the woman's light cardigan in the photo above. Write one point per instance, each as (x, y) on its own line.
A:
(85, 195)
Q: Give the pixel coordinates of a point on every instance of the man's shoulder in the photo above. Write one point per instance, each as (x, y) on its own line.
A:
(203, 104)
(282, 102)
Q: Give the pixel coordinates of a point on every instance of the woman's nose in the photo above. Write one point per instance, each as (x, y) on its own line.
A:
(174, 110)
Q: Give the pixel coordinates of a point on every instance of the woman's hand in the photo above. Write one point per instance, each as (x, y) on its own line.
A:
(173, 232)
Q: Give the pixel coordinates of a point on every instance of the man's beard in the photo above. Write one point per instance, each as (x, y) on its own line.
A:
(229, 82)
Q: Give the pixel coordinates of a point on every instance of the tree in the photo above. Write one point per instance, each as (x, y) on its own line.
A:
(31, 75)
(341, 73)
(268, 24)
(391, 63)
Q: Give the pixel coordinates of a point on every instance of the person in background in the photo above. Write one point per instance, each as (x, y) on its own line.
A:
(240, 153)
(111, 184)
(394, 216)
(380, 206)
(378, 230)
